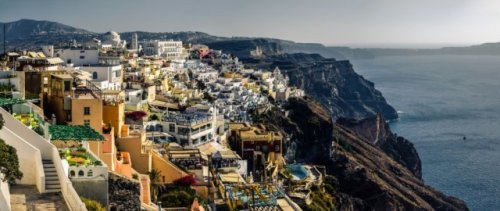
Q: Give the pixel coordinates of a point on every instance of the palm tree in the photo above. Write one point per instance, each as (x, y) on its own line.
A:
(154, 176)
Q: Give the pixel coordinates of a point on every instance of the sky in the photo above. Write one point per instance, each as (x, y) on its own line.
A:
(355, 23)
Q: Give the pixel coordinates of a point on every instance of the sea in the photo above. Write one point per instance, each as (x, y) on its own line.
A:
(449, 107)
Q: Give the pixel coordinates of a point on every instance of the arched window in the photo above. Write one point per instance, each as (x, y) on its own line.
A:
(71, 173)
(81, 173)
(90, 173)
(94, 75)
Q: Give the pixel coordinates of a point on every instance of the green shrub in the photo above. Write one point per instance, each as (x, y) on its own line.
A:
(178, 198)
(135, 176)
(153, 117)
(9, 163)
(93, 205)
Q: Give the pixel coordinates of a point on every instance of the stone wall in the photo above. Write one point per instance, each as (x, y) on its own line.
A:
(95, 189)
(124, 194)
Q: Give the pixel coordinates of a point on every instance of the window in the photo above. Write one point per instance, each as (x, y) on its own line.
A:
(171, 128)
(90, 173)
(45, 80)
(82, 51)
(86, 110)
(81, 173)
(184, 142)
(94, 75)
(68, 61)
(264, 148)
(82, 57)
(67, 86)
(276, 148)
(183, 131)
(86, 122)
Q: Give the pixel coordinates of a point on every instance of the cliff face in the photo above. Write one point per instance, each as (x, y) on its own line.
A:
(333, 83)
(376, 131)
(367, 177)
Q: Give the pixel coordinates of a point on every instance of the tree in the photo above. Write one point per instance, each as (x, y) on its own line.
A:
(154, 177)
(9, 163)
(180, 197)
(153, 117)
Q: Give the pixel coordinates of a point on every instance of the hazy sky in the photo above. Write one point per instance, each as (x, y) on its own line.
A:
(332, 22)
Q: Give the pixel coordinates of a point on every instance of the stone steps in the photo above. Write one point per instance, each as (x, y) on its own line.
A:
(52, 183)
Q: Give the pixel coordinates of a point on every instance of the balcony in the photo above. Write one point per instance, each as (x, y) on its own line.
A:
(81, 163)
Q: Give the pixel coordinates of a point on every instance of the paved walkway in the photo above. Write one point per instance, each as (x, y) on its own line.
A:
(27, 198)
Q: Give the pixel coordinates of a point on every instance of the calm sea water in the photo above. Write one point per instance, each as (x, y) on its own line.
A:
(441, 99)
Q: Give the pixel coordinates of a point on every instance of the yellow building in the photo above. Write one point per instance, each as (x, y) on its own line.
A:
(56, 100)
(261, 146)
(253, 85)
(232, 75)
(114, 110)
(145, 157)
(86, 109)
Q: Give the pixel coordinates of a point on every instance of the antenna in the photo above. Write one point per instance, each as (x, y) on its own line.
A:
(4, 35)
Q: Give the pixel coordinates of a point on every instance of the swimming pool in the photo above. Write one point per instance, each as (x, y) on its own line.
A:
(299, 172)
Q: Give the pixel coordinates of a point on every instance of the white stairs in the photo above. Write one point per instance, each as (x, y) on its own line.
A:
(51, 180)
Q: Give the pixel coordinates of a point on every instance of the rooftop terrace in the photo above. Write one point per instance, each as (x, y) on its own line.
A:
(187, 118)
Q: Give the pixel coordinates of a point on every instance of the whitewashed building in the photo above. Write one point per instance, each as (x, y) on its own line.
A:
(77, 56)
(165, 48)
(106, 77)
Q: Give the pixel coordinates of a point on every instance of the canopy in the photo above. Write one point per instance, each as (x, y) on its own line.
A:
(74, 133)
(11, 101)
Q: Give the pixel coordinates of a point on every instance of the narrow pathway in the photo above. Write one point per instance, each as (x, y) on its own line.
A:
(27, 198)
(378, 129)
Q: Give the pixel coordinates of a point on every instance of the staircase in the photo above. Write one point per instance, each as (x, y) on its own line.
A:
(51, 180)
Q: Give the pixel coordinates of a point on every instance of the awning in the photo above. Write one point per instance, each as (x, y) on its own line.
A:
(74, 133)
(231, 178)
(211, 148)
(55, 60)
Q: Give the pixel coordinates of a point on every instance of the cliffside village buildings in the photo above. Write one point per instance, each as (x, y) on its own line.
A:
(99, 120)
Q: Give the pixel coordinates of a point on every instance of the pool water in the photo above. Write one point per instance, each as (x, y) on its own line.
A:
(299, 172)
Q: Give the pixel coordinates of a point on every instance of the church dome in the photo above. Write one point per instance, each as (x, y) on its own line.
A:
(112, 37)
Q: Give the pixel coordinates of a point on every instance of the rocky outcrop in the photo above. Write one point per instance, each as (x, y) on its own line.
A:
(124, 194)
(367, 177)
(376, 131)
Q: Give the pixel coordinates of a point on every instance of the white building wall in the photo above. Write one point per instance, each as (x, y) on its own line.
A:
(4, 196)
(112, 74)
(78, 57)
(30, 159)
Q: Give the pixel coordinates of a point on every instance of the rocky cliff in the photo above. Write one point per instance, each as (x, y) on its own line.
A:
(376, 131)
(333, 83)
(124, 194)
(367, 177)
